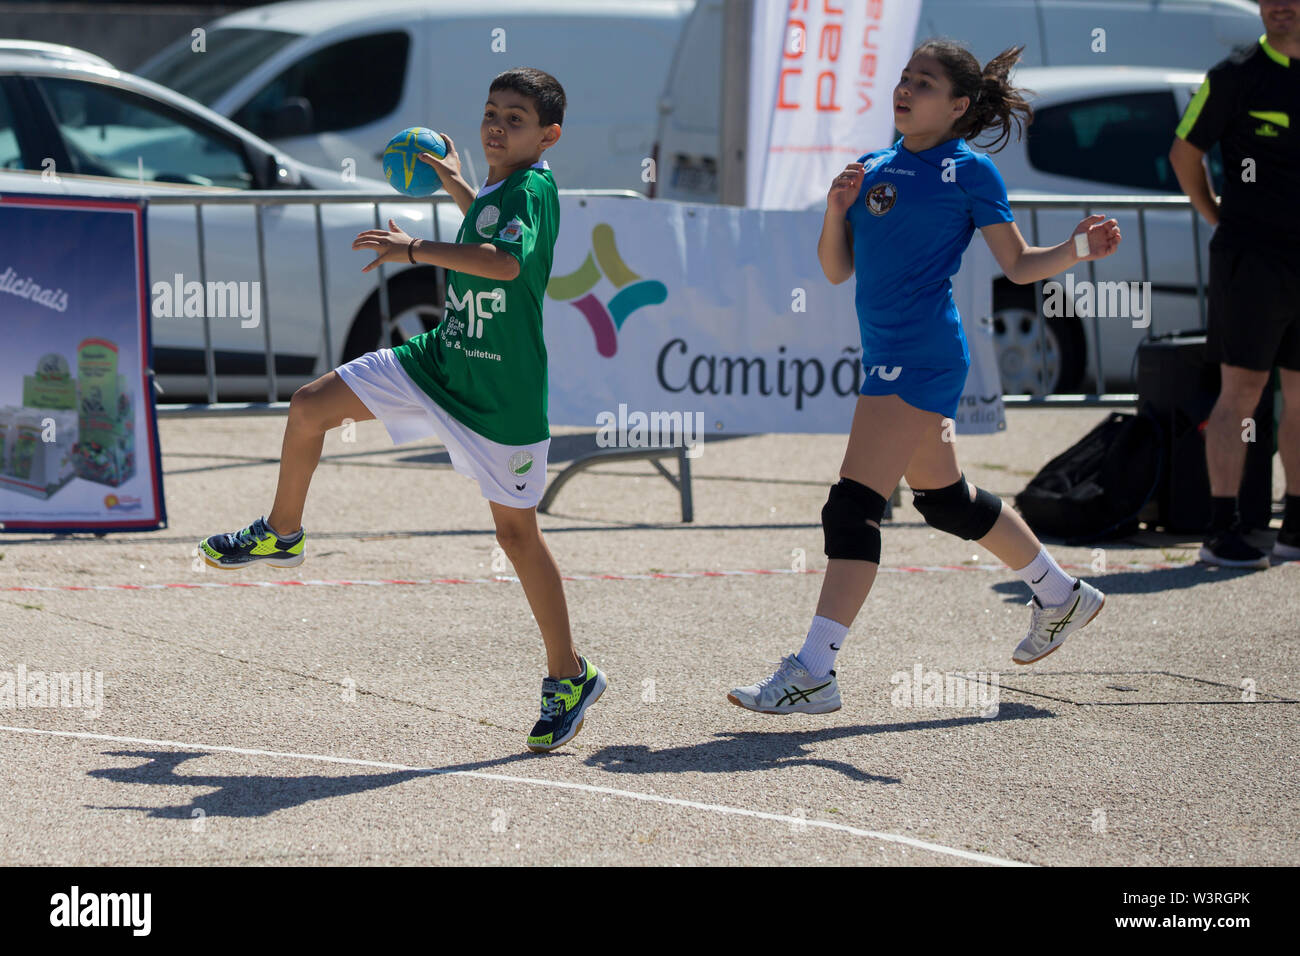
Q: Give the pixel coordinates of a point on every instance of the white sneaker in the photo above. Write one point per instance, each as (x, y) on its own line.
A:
(1050, 626)
(791, 690)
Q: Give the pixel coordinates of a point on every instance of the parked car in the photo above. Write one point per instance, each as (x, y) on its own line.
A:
(71, 126)
(1100, 131)
(289, 73)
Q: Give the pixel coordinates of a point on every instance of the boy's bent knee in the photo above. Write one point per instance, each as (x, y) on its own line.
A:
(517, 537)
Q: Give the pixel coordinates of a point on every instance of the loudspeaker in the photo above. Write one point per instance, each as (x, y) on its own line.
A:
(1179, 385)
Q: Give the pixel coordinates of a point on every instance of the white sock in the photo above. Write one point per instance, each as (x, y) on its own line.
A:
(1051, 585)
(824, 640)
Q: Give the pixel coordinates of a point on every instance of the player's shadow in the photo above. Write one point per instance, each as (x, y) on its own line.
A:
(739, 752)
(252, 795)
(1135, 582)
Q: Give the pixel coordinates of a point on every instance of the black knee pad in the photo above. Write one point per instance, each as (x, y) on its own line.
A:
(844, 522)
(950, 509)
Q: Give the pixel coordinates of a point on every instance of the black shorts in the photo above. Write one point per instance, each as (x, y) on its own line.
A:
(1254, 305)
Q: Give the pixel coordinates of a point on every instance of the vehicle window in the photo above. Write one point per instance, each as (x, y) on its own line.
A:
(331, 81)
(1122, 140)
(113, 132)
(11, 156)
(227, 57)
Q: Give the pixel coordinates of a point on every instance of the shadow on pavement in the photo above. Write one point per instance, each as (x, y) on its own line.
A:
(250, 795)
(1136, 582)
(733, 752)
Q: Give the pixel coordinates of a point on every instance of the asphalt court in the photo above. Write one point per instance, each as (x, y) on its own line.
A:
(382, 722)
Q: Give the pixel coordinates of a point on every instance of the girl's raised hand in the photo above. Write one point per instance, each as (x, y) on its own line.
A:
(1102, 236)
(844, 189)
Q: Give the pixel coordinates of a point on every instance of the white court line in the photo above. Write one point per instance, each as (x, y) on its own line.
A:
(555, 784)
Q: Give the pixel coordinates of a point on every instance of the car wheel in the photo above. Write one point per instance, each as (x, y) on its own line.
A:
(416, 301)
(1034, 358)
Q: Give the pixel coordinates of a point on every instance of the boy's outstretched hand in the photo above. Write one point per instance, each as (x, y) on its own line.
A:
(844, 189)
(1102, 235)
(391, 244)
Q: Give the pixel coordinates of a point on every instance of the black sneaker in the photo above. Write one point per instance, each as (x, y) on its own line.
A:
(1287, 545)
(1230, 550)
(255, 544)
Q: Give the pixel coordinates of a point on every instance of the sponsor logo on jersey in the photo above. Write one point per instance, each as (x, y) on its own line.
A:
(487, 219)
(881, 198)
(513, 230)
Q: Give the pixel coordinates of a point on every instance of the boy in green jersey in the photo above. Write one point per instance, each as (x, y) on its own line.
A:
(477, 382)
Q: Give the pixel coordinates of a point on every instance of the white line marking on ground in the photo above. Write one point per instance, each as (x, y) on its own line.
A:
(179, 586)
(535, 782)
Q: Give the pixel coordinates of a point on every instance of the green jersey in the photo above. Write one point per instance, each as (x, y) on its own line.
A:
(485, 363)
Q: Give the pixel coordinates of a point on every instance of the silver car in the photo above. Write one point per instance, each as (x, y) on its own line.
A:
(73, 125)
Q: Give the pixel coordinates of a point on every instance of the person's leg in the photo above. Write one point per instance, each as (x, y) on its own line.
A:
(1287, 545)
(885, 433)
(1288, 433)
(1225, 452)
(950, 503)
(315, 409)
(935, 478)
(1225, 457)
(521, 539)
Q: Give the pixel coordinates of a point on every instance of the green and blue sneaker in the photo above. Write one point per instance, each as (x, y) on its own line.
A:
(255, 544)
(564, 705)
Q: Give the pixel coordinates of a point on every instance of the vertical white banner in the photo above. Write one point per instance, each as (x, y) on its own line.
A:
(822, 73)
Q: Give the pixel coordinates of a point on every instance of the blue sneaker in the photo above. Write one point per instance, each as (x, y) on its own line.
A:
(564, 705)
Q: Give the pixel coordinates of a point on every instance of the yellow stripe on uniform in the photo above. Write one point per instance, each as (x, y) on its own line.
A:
(1193, 110)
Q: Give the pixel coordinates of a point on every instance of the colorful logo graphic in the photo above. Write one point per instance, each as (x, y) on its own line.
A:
(606, 319)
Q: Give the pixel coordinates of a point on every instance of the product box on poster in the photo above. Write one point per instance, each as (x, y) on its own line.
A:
(105, 452)
(36, 455)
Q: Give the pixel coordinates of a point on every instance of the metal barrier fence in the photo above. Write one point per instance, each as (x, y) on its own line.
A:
(1033, 203)
(259, 201)
(1030, 203)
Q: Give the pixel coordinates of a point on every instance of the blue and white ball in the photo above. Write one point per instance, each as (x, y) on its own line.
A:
(402, 166)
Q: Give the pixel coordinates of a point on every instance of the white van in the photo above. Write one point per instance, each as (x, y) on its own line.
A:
(1174, 34)
(331, 82)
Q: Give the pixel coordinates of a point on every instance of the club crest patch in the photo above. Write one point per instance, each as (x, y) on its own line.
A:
(881, 198)
(520, 463)
(513, 230)
(487, 218)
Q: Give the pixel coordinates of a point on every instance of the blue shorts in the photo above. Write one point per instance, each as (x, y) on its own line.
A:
(929, 389)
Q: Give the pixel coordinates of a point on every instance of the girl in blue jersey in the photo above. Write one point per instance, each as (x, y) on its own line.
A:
(899, 220)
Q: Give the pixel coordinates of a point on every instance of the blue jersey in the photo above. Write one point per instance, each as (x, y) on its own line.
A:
(912, 220)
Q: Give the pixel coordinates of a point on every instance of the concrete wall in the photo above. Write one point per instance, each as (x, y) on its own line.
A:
(125, 35)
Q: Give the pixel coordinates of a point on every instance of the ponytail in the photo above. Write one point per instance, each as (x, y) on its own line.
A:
(995, 105)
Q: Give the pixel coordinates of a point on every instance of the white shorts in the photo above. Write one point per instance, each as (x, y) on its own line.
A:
(511, 475)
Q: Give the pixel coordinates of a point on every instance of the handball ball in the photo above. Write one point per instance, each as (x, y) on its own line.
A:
(402, 166)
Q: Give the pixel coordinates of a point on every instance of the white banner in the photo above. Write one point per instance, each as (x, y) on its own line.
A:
(822, 75)
(721, 314)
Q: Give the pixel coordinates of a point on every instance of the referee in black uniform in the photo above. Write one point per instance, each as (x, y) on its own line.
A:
(1250, 105)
